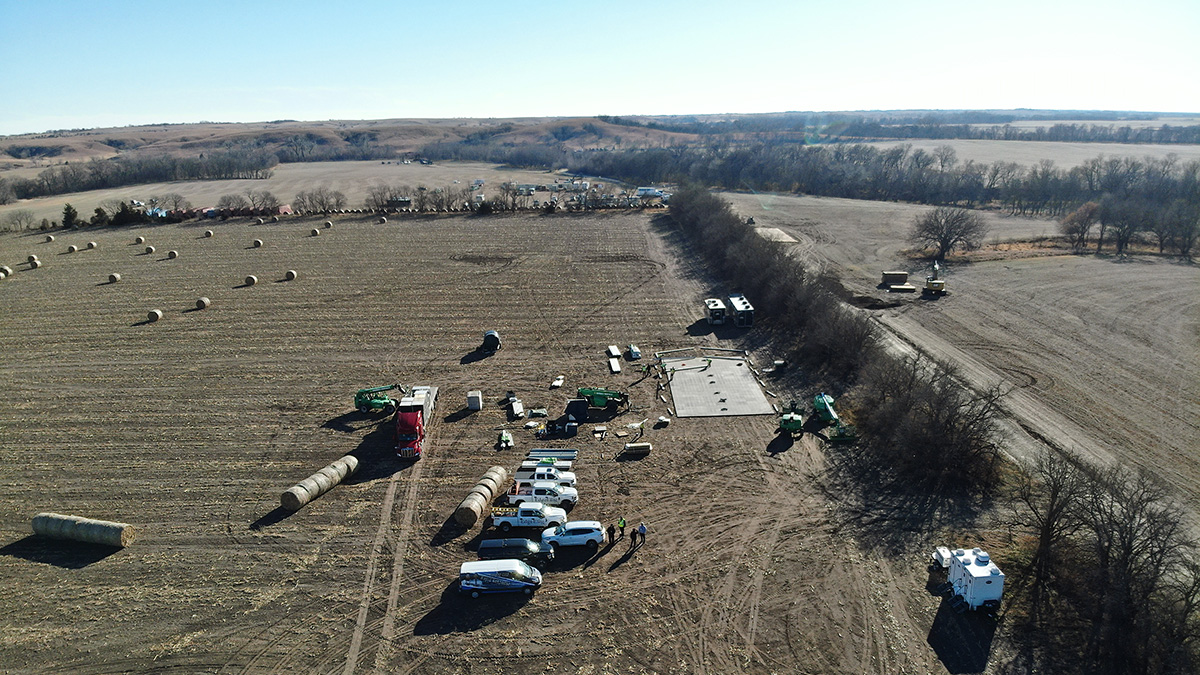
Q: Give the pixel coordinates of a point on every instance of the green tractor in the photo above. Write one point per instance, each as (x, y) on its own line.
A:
(842, 432)
(603, 398)
(376, 398)
(791, 420)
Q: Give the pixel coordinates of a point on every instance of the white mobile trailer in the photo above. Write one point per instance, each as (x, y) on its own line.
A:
(975, 578)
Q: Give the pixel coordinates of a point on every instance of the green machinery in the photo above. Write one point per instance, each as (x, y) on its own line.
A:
(376, 398)
(791, 420)
(603, 398)
(823, 407)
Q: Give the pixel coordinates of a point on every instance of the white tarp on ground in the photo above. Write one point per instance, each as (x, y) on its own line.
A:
(702, 387)
(774, 234)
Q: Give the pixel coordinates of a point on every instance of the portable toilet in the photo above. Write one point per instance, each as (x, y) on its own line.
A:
(742, 310)
(714, 311)
(975, 579)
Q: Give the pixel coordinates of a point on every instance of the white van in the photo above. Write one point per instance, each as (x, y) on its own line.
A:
(497, 576)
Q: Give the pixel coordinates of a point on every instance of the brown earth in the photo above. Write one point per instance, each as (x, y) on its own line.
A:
(1102, 354)
(191, 427)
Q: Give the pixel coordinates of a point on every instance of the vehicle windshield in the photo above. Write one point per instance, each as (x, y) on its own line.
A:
(560, 529)
(524, 572)
(408, 437)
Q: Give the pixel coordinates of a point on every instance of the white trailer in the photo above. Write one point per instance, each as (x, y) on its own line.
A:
(975, 579)
(742, 310)
(714, 311)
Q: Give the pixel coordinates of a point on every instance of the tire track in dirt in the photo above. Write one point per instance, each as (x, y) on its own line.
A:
(385, 520)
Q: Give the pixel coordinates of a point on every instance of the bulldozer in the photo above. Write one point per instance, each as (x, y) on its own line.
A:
(935, 284)
(376, 398)
(603, 398)
(791, 420)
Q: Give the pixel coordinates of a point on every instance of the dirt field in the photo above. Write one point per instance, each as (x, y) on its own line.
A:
(351, 178)
(1103, 354)
(191, 427)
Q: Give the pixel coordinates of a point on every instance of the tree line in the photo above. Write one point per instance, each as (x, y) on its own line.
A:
(1063, 132)
(98, 174)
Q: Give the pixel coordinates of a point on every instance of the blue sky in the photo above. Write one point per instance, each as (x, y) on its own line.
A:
(69, 64)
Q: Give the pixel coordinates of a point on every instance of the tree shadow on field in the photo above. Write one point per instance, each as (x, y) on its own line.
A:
(460, 613)
(888, 511)
(70, 555)
(962, 642)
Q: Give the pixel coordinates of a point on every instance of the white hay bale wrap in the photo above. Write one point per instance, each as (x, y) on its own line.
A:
(274, 219)
(208, 234)
(49, 238)
(258, 221)
(290, 275)
(114, 277)
(295, 497)
(32, 259)
(257, 243)
(35, 264)
(172, 254)
(251, 280)
(7, 270)
(328, 224)
(139, 240)
(203, 303)
(72, 248)
(154, 315)
(92, 244)
(315, 232)
(382, 219)
(2, 276)
(149, 250)
(88, 530)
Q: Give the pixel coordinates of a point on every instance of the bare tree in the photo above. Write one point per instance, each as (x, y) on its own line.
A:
(20, 219)
(420, 198)
(1052, 494)
(946, 157)
(233, 202)
(173, 201)
(1078, 224)
(378, 196)
(113, 205)
(321, 199)
(947, 228)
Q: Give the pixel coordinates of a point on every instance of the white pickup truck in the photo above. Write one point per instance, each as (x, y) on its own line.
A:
(542, 491)
(562, 478)
(533, 514)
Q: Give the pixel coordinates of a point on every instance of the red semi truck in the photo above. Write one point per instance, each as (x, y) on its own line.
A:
(413, 415)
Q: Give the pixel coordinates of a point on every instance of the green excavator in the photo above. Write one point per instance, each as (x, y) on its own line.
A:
(603, 398)
(375, 398)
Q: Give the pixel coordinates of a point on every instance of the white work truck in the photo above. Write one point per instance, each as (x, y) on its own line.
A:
(549, 473)
(533, 514)
(542, 491)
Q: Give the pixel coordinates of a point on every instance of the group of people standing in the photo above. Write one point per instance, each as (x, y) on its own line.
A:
(639, 531)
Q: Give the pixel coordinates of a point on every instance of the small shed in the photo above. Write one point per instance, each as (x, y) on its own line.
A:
(714, 311)
(742, 311)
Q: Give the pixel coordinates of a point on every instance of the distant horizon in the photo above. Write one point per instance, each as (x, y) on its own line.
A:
(1035, 112)
(74, 64)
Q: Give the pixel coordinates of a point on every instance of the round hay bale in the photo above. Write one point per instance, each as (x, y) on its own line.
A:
(335, 472)
(35, 264)
(114, 278)
(350, 462)
(203, 303)
(258, 221)
(470, 511)
(139, 240)
(323, 481)
(316, 232)
(72, 248)
(274, 219)
(149, 250)
(294, 498)
(208, 234)
(172, 254)
(2, 276)
(382, 219)
(488, 483)
(154, 315)
(482, 492)
(328, 224)
(257, 243)
(290, 275)
(92, 244)
(7, 270)
(251, 280)
(311, 487)
(32, 259)
(49, 238)
(76, 528)
(499, 472)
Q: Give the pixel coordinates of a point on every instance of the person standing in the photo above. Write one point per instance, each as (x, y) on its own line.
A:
(612, 533)
(621, 525)
(641, 530)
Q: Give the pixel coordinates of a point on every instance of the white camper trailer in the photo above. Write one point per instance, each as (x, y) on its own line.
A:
(714, 311)
(976, 580)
